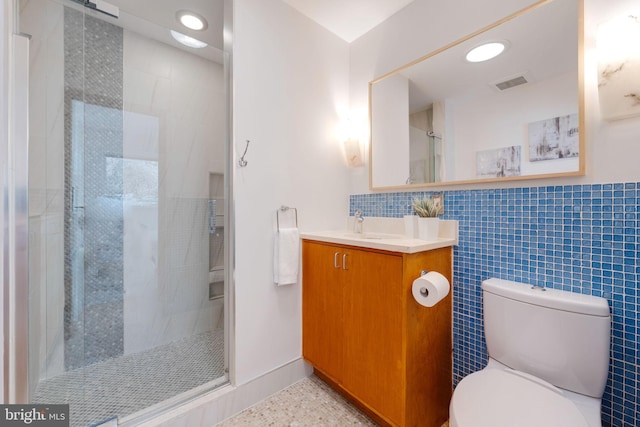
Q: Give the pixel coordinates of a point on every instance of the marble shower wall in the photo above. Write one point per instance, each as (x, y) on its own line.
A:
(174, 119)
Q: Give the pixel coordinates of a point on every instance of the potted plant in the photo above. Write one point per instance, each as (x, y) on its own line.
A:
(427, 210)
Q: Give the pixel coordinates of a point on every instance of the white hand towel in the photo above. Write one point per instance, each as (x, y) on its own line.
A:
(286, 256)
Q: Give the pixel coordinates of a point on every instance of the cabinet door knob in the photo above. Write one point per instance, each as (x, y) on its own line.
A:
(344, 262)
(335, 260)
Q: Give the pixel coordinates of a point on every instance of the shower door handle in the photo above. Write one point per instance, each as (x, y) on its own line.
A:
(72, 201)
(211, 210)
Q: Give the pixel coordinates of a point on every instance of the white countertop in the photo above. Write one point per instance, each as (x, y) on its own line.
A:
(388, 243)
(377, 238)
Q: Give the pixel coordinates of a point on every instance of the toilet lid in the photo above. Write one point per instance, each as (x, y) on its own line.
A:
(499, 398)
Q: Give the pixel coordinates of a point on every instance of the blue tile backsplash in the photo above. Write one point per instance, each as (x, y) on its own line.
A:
(580, 238)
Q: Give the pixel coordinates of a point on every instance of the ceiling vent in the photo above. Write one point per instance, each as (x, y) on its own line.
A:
(512, 81)
(520, 80)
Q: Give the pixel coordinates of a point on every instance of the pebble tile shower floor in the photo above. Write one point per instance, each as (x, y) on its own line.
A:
(125, 385)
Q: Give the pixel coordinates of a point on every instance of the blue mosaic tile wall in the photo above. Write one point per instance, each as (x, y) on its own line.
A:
(579, 238)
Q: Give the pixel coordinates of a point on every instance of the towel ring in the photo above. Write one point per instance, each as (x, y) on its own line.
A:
(282, 209)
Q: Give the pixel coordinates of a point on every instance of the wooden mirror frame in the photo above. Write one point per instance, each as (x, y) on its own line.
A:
(581, 171)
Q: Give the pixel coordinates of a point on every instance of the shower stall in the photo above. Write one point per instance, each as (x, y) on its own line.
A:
(426, 144)
(128, 230)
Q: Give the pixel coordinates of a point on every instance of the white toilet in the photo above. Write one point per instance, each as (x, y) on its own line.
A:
(548, 360)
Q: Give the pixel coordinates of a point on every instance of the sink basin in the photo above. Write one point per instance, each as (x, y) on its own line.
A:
(371, 236)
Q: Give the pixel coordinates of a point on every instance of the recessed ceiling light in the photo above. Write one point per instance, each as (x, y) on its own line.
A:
(191, 20)
(188, 41)
(486, 51)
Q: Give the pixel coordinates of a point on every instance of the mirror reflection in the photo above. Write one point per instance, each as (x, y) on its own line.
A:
(445, 119)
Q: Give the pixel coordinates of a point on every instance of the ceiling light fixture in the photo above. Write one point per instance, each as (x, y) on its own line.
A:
(486, 51)
(191, 20)
(187, 41)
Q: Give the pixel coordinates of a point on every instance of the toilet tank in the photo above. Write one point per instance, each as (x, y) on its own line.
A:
(561, 337)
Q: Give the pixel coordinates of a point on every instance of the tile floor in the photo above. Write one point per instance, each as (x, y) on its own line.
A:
(309, 402)
(127, 384)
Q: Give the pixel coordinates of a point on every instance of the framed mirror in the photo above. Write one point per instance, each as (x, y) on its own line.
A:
(443, 120)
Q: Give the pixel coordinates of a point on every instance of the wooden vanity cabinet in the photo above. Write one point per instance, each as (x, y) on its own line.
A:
(367, 337)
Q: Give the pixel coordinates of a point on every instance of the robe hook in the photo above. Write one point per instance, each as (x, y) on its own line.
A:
(242, 162)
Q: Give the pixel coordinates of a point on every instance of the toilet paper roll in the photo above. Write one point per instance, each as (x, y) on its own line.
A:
(430, 289)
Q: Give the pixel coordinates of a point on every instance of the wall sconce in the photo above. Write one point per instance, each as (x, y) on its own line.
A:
(348, 134)
(618, 49)
(353, 152)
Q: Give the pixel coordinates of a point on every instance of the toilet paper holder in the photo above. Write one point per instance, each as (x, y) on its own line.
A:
(424, 291)
(430, 288)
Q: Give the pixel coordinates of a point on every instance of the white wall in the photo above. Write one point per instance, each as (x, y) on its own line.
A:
(291, 87)
(391, 128)
(610, 145)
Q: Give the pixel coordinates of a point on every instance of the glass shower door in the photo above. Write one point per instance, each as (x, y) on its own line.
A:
(127, 273)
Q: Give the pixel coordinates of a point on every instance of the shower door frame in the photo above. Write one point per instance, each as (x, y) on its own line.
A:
(14, 211)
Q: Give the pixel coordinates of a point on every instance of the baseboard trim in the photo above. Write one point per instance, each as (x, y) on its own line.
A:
(228, 401)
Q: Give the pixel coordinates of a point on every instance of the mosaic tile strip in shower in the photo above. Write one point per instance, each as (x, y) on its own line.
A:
(94, 325)
(579, 238)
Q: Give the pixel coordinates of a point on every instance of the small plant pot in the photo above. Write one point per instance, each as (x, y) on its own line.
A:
(428, 228)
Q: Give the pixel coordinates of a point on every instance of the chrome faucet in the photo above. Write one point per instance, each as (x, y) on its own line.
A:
(357, 222)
